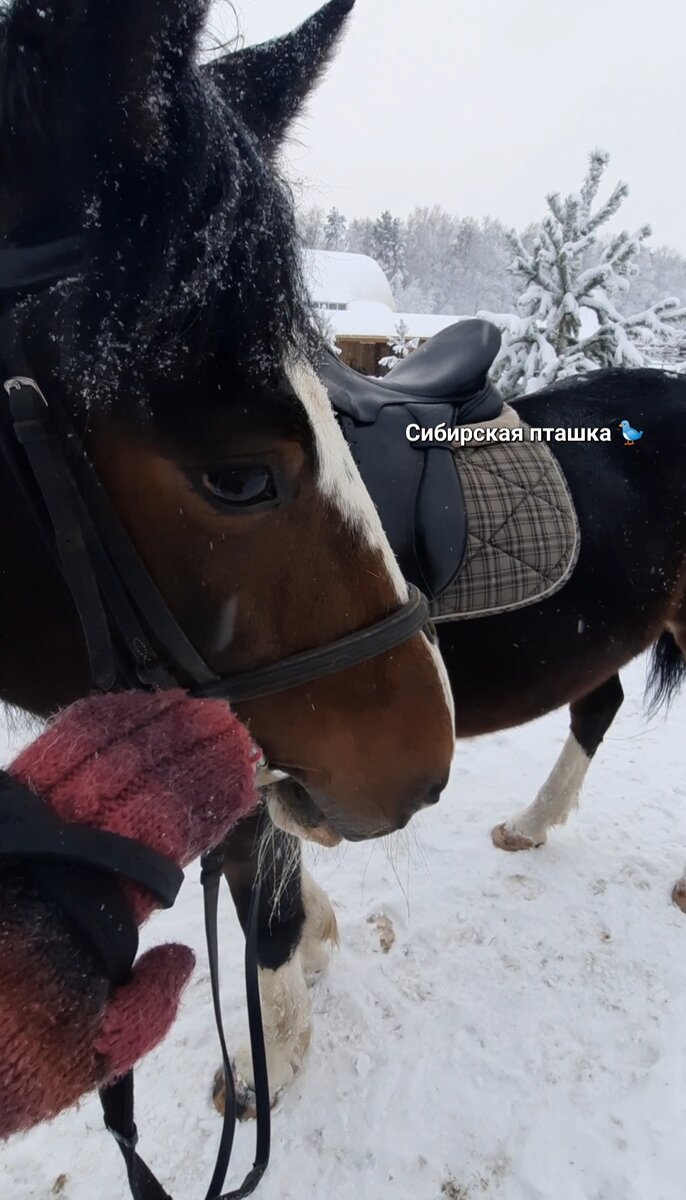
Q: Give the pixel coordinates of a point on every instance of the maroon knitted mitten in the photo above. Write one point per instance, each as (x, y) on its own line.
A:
(166, 770)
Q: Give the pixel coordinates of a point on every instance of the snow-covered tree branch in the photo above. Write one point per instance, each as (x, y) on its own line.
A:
(401, 345)
(568, 318)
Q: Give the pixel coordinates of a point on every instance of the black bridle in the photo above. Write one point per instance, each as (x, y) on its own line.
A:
(133, 640)
(117, 601)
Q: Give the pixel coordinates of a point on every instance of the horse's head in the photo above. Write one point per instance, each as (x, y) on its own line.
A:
(182, 348)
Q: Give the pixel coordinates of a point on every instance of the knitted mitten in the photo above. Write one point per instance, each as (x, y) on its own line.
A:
(166, 770)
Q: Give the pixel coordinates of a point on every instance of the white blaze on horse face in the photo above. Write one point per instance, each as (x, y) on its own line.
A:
(444, 679)
(339, 479)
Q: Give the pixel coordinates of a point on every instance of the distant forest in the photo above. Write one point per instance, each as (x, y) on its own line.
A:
(440, 263)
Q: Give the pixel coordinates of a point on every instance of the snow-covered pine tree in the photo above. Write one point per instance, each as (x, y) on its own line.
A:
(327, 331)
(335, 231)
(401, 345)
(388, 248)
(567, 320)
(361, 236)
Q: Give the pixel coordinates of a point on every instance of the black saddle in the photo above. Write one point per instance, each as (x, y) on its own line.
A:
(416, 489)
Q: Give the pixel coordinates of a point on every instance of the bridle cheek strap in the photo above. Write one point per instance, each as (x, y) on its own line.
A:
(104, 573)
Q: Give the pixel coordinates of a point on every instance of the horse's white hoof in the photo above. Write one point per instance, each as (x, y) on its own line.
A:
(506, 838)
(246, 1104)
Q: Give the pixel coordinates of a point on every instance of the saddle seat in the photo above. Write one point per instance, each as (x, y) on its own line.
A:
(415, 485)
(453, 363)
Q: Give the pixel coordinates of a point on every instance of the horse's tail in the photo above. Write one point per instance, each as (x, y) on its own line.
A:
(666, 674)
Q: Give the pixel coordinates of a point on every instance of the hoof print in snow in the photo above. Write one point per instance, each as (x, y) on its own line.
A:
(454, 1191)
(679, 894)
(523, 886)
(505, 838)
(385, 930)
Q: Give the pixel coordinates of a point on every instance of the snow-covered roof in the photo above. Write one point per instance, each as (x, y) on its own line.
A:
(336, 278)
(364, 319)
(357, 300)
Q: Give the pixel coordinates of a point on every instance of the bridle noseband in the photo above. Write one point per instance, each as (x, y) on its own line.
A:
(133, 640)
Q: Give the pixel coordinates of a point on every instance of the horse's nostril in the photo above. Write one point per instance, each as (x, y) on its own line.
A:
(434, 794)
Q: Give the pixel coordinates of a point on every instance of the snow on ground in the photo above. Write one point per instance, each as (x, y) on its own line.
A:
(523, 1038)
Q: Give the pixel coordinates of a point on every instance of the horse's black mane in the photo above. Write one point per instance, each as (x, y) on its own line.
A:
(192, 254)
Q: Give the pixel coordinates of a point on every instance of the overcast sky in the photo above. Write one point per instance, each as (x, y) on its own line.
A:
(485, 106)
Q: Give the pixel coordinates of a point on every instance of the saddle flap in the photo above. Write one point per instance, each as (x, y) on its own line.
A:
(415, 485)
(417, 493)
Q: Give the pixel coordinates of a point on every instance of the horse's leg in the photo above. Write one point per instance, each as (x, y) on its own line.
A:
(320, 930)
(591, 717)
(679, 634)
(295, 922)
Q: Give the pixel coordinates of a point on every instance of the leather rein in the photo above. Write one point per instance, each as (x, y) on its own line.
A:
(133, 640)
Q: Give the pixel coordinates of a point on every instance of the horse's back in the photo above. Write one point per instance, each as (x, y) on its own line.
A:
(641, 393)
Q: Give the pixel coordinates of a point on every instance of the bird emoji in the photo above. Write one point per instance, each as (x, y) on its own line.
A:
(630, 435)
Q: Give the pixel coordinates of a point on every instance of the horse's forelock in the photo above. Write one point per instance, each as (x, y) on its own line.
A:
(193, 250)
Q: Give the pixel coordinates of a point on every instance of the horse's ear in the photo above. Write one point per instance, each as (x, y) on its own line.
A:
(267, 84)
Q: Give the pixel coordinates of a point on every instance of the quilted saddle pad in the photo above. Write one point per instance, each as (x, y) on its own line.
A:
(523, 533)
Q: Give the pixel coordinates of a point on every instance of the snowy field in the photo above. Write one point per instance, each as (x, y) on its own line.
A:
(523, 1038)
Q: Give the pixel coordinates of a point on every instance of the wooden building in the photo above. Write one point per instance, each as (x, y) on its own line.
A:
(356, 303)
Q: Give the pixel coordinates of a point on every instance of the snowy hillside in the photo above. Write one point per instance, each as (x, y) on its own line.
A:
(523, 1037)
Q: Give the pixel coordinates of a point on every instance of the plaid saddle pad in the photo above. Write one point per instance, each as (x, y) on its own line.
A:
(523, 533)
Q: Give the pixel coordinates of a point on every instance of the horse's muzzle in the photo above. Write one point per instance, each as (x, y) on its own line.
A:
(305, 813)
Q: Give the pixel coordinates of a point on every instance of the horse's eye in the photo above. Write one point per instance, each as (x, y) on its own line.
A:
(241, 485)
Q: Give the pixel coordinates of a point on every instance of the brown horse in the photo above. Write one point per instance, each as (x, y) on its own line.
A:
(151, 286)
